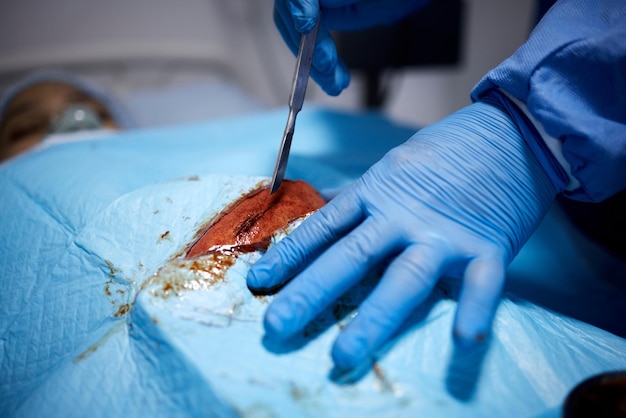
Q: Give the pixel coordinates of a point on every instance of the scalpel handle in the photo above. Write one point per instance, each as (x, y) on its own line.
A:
(296, 99)
(303, 69)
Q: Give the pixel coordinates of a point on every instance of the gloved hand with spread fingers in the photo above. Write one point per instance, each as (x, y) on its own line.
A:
(295, 17)
(458, 199)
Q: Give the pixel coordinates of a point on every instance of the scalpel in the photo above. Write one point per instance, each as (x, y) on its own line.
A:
(296, 98)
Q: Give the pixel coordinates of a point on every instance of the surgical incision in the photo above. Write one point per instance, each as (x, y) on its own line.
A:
(249, 224)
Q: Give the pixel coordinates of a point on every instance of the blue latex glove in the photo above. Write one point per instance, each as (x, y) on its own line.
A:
(458, 199)
(295, 17)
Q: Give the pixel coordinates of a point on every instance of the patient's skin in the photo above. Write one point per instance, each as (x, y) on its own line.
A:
(249, 224)
(28, 116)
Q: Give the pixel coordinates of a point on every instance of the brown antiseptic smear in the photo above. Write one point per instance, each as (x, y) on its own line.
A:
(249, 224)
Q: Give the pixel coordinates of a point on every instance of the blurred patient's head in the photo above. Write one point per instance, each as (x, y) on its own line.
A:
(49, 102)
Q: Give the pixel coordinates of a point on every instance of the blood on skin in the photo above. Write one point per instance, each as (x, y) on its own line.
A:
(249, 224)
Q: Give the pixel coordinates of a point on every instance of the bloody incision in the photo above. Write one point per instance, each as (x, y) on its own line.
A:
(249, 224)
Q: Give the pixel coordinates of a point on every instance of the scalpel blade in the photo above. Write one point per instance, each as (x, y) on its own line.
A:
(296, 98)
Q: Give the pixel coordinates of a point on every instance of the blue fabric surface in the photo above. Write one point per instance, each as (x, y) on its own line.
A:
(87, 227)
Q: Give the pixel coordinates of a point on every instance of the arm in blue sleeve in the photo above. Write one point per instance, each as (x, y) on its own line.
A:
(566, 90)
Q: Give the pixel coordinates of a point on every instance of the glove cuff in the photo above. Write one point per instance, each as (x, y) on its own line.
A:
(556, 171)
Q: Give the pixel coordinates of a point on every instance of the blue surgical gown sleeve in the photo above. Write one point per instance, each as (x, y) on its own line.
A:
(565, 87)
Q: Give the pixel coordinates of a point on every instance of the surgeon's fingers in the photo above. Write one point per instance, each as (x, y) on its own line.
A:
(482, 286)
(334, 82)
(325, 56)
(407, 282)
(299, 248)
(304, 13)
(328, 277)
(328, 70)
(295, 17)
